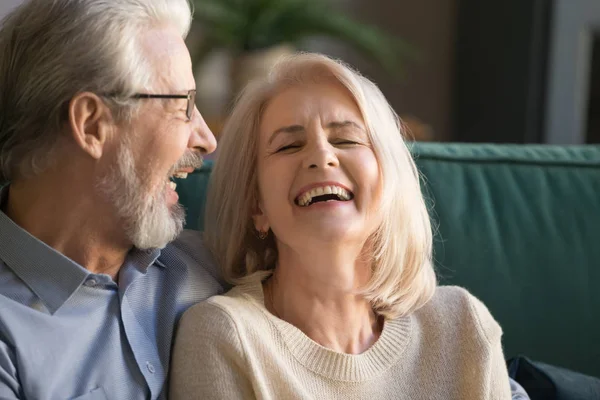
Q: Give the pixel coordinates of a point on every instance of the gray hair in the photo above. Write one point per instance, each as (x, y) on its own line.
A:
(53, 49)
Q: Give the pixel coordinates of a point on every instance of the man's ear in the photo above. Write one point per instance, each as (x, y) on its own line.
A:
(91, 123)
(261, 222)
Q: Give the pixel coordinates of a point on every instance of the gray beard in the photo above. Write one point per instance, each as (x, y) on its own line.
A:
(147, 220)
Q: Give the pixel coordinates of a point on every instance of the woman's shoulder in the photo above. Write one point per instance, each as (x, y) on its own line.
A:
(222, 312)
(453, 308)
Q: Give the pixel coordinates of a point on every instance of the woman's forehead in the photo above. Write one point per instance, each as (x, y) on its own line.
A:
(303, 102)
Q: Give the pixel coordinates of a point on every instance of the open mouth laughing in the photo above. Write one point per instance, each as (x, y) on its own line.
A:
(179, 175)
(324, 193)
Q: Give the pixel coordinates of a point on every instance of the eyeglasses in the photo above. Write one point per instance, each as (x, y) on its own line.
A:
(190, 96)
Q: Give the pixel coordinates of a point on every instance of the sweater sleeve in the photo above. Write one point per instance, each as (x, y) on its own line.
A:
(208, 360)
(498, 383)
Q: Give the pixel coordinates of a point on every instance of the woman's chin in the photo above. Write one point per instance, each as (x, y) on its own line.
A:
(334, 233)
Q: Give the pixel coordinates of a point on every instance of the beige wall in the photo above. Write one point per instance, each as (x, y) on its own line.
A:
(430, 25)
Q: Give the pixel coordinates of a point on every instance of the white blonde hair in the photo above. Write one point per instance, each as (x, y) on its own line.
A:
(403, 278)
(52, 50)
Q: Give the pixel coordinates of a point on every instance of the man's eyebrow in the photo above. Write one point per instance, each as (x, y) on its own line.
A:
(286, 129)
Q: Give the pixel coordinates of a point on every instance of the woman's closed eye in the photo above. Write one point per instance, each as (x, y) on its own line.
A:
(344, 142)
(291, 146)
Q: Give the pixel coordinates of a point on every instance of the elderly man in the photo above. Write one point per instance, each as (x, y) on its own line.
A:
(97, 115)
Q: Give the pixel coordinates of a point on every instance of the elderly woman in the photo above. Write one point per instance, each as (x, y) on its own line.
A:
(316, 214)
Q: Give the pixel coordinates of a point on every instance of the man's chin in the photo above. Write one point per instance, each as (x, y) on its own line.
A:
(155, 231)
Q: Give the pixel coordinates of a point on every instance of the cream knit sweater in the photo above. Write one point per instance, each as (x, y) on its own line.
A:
(231, 347)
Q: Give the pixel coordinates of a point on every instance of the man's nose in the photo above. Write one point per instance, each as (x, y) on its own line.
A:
(202, 139)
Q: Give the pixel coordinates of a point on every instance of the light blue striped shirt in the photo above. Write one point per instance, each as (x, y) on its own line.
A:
(66, 333)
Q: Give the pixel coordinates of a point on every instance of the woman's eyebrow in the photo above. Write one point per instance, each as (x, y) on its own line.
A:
(300, 128)
(343, 124)
(285, 129)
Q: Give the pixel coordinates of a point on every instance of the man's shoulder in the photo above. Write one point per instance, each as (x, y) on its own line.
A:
(189, 241)
(189, 252)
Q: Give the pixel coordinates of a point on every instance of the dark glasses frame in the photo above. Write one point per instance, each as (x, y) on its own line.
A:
(190, 96)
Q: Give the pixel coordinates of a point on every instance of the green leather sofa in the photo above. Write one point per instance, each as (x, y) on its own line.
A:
(517, 225)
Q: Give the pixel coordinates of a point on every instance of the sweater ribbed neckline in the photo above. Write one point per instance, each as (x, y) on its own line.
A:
(384, 353)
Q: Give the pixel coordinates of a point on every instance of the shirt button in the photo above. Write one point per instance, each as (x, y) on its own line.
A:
(90, 283)
(150, 367)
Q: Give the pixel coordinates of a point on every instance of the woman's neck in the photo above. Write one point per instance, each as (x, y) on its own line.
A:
(334, 316)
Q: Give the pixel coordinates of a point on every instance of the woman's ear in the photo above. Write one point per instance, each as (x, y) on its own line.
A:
(261, 222)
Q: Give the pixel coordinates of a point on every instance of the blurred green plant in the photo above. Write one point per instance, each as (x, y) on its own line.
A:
(247, 25)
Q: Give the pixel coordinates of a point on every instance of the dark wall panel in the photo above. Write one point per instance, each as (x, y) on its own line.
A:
(502, 52)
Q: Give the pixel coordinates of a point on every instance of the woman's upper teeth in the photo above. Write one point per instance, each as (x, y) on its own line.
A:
(306, 198)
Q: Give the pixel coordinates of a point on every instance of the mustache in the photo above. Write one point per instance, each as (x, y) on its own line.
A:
(190, 159)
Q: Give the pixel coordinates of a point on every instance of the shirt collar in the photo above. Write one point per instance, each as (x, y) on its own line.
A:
(52, 276)
(136, 265)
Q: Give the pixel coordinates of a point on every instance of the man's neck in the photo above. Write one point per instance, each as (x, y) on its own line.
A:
(71, 222)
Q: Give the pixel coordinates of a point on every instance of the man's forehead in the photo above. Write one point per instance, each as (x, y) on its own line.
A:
(163, 42)
(169, 55)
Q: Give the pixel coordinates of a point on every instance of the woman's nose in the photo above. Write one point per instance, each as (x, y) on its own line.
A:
(321, 155)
